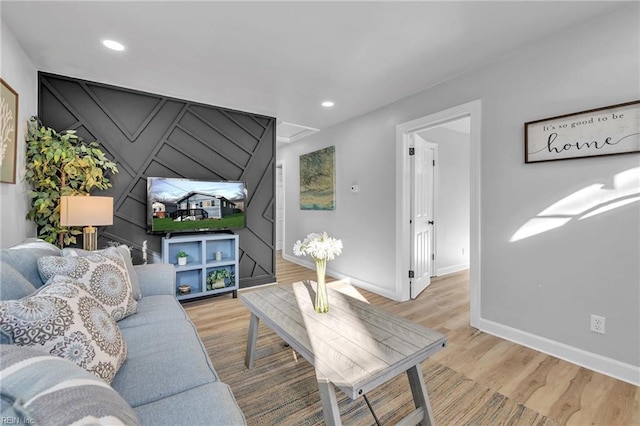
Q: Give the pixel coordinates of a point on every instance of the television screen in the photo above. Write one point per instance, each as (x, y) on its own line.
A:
(190, 205)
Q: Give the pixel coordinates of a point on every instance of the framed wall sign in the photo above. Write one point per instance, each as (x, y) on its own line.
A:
(603, 131)
(8, 132)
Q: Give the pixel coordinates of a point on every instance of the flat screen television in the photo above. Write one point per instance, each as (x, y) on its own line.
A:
(192, 205)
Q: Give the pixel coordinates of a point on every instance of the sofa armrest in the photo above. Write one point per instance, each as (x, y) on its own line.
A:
(156, 279)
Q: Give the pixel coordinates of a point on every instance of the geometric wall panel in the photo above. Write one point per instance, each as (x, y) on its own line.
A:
(153, 135)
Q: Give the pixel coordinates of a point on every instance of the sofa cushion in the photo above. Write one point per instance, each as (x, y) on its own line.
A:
(23, 257)
(164, 359)
(126, 255)
(42, 389)
(13, 285)
(104, 275)
(154, 310)
(217, 407)
(63, 319)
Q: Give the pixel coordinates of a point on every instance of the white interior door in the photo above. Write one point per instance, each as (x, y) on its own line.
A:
(422, 214)
(279, 207)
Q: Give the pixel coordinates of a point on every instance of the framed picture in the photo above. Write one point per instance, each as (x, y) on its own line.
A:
(603, 131)
(317, 180)
(8, 132)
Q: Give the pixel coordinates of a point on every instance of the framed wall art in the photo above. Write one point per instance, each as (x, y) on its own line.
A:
(603, 131)
(317, 180)
(8, 132)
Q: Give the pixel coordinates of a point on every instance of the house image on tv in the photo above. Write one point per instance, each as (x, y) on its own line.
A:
(198, 205)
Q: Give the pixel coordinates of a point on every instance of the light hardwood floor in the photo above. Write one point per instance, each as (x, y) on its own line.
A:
(564, 392)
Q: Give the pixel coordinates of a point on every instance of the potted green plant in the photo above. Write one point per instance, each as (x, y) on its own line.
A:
(218, 278)
(60, 164)
(182, 257)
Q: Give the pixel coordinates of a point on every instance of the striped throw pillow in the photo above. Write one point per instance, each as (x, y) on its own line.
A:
(42, 389)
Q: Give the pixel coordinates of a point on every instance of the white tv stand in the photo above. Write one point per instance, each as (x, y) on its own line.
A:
(201, 262)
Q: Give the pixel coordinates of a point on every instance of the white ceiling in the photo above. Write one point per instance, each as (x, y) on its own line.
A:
(283, 59)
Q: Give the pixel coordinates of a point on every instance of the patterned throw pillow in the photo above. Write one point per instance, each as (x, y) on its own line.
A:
(40, 389)
(124, 251)
(104, 275)
(63, 319)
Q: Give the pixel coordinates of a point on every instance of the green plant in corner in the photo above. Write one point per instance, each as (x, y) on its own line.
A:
(61, 164)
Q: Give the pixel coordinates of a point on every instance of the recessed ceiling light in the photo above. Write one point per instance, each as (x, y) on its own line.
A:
(327, 104)
(113, 45)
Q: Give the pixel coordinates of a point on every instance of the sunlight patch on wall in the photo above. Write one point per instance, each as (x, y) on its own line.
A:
(587, 202)
(611, 206)
(538, 225)
(576, 203)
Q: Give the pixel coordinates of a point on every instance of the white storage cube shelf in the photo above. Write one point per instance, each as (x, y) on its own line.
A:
(201, 252)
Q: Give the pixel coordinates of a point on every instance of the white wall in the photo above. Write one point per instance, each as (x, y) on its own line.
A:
(364, 221)
(18, 71)
(452, 220)
(541, 290)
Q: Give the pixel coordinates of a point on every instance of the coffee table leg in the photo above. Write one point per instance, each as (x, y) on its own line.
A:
(251, 341)
(330, 409)
(420, 397)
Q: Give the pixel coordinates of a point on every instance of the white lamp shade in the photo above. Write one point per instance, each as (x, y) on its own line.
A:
(86, 211)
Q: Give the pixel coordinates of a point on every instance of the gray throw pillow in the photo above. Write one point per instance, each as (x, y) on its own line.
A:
(41, 389)
(104, 275)
(13, 285)
(24, 260)
(63, 319)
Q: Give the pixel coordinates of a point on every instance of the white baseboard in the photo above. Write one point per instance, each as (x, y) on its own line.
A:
(353, 280)
(610, 367)
(452, 269)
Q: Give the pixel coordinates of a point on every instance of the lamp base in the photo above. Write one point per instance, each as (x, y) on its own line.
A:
(89, 238)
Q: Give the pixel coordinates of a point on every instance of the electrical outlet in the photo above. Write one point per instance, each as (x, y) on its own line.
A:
(597, 324)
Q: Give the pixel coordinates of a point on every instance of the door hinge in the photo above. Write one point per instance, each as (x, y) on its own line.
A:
(433, 256)
(411, 274)
(434, 163)
(412, 151)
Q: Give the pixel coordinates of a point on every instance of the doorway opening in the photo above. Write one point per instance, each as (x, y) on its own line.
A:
(426, 128)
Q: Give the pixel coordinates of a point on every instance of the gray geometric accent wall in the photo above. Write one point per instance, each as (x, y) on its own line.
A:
(154, 135)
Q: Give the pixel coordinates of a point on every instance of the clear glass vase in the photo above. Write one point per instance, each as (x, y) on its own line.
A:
(322, 302)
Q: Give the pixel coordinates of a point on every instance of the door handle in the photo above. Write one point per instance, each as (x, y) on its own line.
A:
(430, 222)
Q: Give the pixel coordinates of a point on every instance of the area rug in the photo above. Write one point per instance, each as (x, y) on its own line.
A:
(281, 390)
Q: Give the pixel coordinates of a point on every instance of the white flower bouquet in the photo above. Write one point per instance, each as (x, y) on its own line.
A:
(321, 247)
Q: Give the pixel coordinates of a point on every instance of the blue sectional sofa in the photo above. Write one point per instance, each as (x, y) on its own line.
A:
(167, 378)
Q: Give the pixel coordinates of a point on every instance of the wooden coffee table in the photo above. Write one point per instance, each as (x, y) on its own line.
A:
(356, 346)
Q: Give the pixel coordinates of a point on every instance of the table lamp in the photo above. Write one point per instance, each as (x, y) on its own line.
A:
(87, 211)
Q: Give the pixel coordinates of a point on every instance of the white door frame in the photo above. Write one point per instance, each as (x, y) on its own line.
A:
(403, 173)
